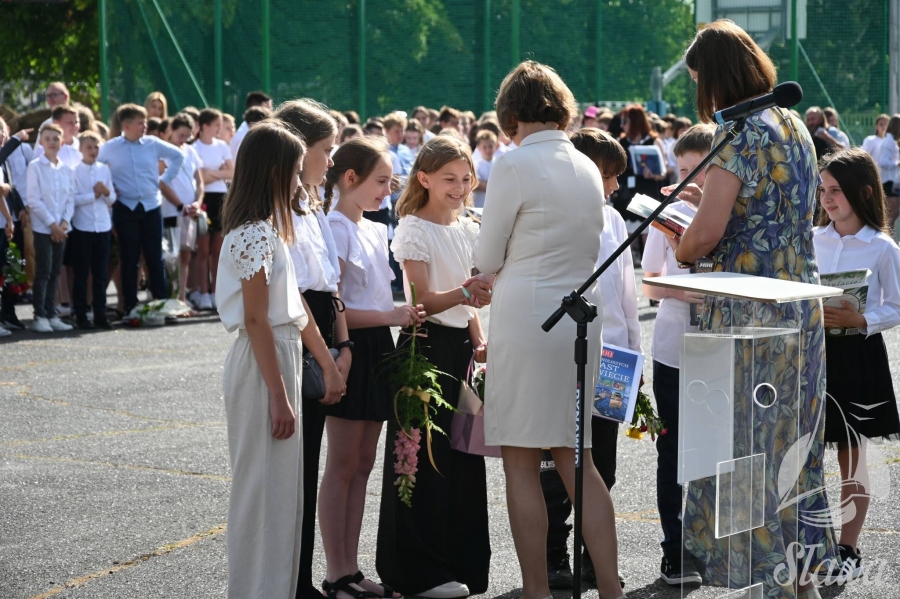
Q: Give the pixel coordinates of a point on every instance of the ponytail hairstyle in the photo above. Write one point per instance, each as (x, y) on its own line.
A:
(431, 158)
(314, 123)
(857, 174)
(207, 116)
(261, 187)
(360, 155)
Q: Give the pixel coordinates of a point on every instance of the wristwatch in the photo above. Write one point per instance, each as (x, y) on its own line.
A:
(348, 344)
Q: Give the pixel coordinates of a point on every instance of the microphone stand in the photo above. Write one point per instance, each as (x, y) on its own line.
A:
(583, 312)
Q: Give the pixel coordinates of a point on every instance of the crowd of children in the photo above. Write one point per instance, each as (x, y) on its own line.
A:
(299, 225)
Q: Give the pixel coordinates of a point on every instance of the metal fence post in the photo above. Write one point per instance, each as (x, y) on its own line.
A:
(598, 54)
(361, 67)
(487, 55)
(795, 43)
(217, 43)
(266, 70)
(104, 68)
(516, 55)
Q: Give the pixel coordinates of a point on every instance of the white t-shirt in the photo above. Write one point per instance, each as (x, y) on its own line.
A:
(867, 249)
(447, 250)
(674, 316)
(184, 184)
(213, 157)
(885, 153)
(366, 280)
(314, 252)
(483, 171)
(245, 251)
(619, 298)
(235, 144)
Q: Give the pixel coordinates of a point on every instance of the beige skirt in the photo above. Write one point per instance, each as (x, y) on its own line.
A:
(265, 508)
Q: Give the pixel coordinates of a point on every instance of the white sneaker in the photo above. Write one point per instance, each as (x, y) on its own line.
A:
(63, 310)
(41, 325)
(212, 300)
(448, 590)
(4, 332)
(205, 302)
(194, 298)
(57, 325)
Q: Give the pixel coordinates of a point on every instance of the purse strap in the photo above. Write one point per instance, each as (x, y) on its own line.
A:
(470, 377)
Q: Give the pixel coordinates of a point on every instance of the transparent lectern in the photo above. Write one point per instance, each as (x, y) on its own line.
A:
(743, 432)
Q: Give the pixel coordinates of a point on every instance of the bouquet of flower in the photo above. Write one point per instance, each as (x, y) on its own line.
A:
(645, 420)
(13, 274)
(418, 397)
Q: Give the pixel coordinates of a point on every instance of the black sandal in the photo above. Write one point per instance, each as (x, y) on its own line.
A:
(388, 591)
(343, 584)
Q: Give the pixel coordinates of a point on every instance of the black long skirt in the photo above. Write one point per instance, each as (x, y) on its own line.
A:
(861, 391)
(444, 536)
(369, 395)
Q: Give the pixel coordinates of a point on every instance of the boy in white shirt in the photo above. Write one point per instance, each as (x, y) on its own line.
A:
(90, 237)
(66, 118)
(51, 201)
(486, 144)
(673, 319)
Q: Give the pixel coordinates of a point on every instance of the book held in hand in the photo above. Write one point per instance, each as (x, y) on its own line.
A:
(648, 157)
(855, 287)
(618, 383)
(671, 222)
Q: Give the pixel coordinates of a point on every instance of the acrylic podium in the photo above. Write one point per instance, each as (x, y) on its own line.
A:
(740, 439)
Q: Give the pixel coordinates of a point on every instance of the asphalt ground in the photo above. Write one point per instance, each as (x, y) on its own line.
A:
(114, 475)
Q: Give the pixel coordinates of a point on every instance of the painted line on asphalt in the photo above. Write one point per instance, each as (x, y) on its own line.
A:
(22, 456)
(74, 583)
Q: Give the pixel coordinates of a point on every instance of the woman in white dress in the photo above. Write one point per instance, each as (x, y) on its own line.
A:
(541, 234)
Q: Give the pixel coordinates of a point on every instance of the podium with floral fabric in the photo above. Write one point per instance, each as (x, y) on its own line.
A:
(741, 445)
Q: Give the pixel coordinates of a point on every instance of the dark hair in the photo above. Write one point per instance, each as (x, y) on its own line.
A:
(182, 119)
(128, 112)
(352, 117)
(311, 120)
(349, 132)
(603, 149)
(255, 114)
(893, 127)
(698, 138)
(730, 67)
(359, 155)
(63, 109)
(208, 116)
(448, 113)
(256, 98)
(86, 117)
(373, 124)
(164, 125)
(857, 174)
(681, 123)
(339, 119)
(261, 187)
(153, 125)
(534, 93)
(637, 122)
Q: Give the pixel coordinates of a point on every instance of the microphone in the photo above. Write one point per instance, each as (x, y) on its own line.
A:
(785, 95)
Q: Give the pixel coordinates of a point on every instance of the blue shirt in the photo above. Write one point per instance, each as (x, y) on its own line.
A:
(402, 159)
(135, 169)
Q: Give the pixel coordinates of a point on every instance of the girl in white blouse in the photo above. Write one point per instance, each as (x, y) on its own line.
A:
(362, 173)
(316, 263)
(418, 547)
(861, 404)
(258, 296)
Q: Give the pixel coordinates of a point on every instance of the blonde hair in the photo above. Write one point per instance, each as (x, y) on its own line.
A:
(394, 119)
(438, 152)
(90, 135)
(162, 100)
(486, 135)
(50, 127)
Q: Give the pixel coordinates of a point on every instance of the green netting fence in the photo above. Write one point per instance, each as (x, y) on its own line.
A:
(380, 55)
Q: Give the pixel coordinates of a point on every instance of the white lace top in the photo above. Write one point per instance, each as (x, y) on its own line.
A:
(313, 252)
(367, 276)
(246, 250)
(448, 252)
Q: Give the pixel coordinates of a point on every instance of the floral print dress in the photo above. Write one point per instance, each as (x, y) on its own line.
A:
(770, 234)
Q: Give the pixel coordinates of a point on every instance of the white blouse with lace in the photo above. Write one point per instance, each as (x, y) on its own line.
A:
(367, 276)
(246, 250)
(447, 250)
(313, 252)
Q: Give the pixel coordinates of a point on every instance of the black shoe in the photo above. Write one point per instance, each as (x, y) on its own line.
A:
(589, 575)
(103, 323)
(12, 322)
(847, 567)
(675, 573)
(559, 573)
(82, 322)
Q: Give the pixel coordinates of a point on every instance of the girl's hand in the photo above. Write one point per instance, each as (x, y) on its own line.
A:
(846, 317)
(343, 362)
(283, 419)
(690, 194)
(335, 386)
(406, 316)
(481, 353)
(481, 292)
(690, 297)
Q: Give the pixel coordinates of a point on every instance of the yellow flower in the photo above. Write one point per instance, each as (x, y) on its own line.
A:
(634, 433)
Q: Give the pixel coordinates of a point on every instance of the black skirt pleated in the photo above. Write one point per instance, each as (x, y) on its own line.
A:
(861, 393)
(369, 394)
(444, 536)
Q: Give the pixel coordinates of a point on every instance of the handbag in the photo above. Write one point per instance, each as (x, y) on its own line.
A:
(313, 383)
(203, 224)
(187, 228)
(467, 427)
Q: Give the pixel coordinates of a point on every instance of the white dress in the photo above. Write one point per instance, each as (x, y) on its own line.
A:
(265, 507)
(540, 232)
(447, 250)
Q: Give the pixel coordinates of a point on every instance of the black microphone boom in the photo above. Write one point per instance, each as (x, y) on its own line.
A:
(785, 95)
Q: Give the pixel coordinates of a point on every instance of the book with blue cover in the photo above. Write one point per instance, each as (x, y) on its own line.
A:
(618, 383)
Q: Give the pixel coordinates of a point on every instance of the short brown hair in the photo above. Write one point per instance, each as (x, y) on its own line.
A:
(603, 150)
(90, 136)
(182, 119)
(49, 127)
(486, 135)
(255, 114)
(128, 112)
(533, 93)
(60, 111)
(261, 187)
(730, 67)
(698, 138)
(447, 113)
(352, 117)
